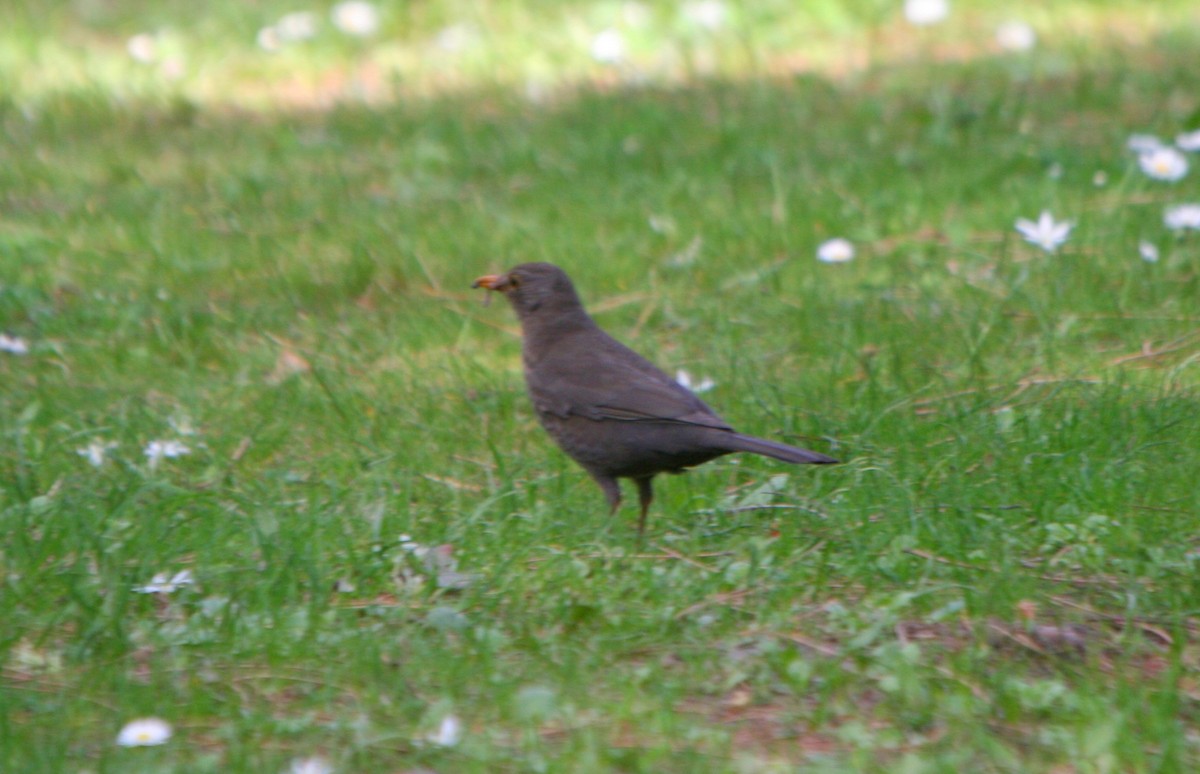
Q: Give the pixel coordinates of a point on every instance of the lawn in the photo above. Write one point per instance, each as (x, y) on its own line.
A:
(241, 352)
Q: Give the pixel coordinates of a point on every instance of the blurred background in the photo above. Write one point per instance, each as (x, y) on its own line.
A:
(289, 54)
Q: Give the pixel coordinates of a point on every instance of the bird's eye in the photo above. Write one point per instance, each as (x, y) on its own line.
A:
(514, 280)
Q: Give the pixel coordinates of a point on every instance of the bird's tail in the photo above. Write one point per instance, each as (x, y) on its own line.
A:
(780, 451)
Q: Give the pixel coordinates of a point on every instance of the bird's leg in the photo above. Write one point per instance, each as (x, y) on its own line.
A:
(645, 496)
(612, 491)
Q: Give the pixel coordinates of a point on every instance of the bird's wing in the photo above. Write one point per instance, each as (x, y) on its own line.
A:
(614, 382)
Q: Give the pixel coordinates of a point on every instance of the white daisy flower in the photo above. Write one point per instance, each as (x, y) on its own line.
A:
(144, 732)
(297, 26)
(448, 734)
(1188, 141)
(356, 17)
(268, 39)
(1046, 233)
(608, 46)
(685, 380)
(313, 765)
(437, 562)
(1148, 250)
(1164, 163)
(156, 450)
(1143, 143)
(13, 345)
(1182, 216)
(925, 12)
(836, 250)
(96, 451)
(1016, 36)
(161, 584)
(143, 48)
(709, 14)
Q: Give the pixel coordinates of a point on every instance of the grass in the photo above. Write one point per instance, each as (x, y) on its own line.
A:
(1001, 577)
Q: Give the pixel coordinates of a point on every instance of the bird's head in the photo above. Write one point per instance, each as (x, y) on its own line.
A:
(535, 288)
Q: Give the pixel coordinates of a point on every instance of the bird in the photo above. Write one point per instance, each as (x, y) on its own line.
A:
(611, 410)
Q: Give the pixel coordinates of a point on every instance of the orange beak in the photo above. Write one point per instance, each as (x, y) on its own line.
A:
(490, 281)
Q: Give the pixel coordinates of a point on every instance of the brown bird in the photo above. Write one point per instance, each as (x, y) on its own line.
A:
(610, 409)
